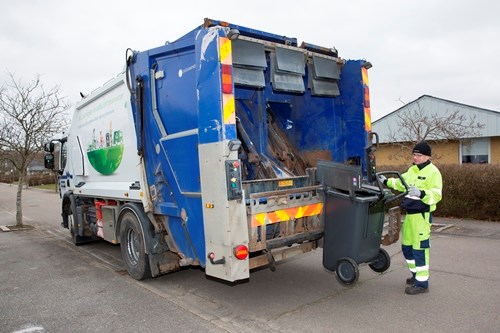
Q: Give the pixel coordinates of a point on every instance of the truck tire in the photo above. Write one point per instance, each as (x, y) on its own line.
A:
(133, 248)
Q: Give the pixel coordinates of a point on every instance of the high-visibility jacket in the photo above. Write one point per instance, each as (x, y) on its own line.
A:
(427, 179)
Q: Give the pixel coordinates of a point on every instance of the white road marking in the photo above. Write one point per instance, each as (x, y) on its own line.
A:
(31, 329)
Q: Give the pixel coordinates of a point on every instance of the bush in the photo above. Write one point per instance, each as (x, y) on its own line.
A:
(470, 191)
(34, 179)
(41, 179)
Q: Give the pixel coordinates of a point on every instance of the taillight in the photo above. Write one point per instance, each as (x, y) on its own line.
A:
(241, 252)
(367, 97)
(227, 79)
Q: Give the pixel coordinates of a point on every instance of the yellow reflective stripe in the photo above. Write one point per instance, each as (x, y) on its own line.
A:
(282, 215)
(364, 75)
(229, 109)
(309, 210)
(317, 209)
(368, 117)
(259, 219)
(300, 212)
(368, 120)
(225, 51)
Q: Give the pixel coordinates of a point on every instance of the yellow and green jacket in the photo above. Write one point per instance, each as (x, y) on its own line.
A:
(427, 178)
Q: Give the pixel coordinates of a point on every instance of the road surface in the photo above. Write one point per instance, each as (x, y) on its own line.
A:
(49, 285)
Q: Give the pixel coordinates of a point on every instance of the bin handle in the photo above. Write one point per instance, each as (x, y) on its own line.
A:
(380, 185)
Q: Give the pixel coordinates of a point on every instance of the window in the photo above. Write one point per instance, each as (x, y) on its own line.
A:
(64, 155)
(475, 150)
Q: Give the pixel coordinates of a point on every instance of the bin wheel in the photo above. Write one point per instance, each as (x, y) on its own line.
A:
(347, 271)
(382, 262)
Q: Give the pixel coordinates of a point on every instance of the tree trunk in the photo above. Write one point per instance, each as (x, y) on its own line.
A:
(19, 201)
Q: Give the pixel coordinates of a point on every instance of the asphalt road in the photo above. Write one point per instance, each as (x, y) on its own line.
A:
(49, 285)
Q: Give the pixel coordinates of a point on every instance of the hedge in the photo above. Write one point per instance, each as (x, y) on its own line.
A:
(470, 191)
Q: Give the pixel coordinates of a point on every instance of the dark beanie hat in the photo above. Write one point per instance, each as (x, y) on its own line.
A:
(422, 148)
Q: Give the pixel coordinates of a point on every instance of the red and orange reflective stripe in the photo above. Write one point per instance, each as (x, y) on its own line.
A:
(286, 214)
(368, 116)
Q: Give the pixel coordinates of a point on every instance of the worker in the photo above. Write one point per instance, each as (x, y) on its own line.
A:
(424, 192)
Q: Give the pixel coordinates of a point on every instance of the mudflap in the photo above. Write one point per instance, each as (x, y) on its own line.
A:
(392, 226)
(163, 263)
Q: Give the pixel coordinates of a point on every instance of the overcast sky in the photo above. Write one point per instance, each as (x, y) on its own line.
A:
(445, 48)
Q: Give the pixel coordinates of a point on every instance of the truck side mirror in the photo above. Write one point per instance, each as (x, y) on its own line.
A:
(49, 147)
(49, 161)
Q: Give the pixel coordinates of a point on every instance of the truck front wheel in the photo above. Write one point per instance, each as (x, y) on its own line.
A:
(133, 248)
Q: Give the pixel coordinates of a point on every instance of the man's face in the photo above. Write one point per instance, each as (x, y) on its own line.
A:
(419, 158)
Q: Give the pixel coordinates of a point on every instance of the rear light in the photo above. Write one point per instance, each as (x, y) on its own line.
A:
(241, 252)
(367, 97)
(227, 79)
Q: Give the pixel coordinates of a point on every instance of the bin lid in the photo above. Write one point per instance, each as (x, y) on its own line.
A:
(361, 196)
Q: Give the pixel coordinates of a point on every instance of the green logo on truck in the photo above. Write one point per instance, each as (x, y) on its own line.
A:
(105, 151)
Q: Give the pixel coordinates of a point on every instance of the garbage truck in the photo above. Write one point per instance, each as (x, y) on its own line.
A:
(204, 151)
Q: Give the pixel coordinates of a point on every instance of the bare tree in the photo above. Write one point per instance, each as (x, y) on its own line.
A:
(29, 116)
(416, 124)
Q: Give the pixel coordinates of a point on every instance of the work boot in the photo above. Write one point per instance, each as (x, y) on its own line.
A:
(410, 281)
(416, 290)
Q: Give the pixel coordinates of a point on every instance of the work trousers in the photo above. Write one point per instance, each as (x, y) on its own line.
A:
(416, 244)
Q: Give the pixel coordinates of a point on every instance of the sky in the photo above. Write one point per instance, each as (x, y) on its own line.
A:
(443, 48)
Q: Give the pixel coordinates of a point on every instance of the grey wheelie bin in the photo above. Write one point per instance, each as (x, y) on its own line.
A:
(353, 220)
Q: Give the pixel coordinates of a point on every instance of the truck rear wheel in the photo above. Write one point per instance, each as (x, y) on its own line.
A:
(133, 248)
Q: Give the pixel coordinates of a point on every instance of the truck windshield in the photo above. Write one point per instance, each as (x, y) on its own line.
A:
(64, 154)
